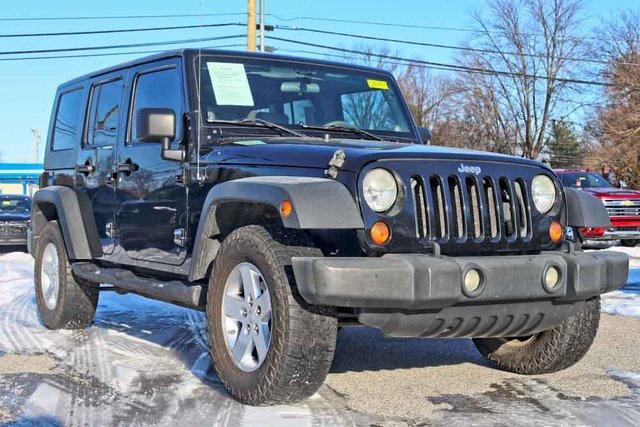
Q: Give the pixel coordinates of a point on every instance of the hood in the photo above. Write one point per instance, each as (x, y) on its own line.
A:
(14, 216)
(616, 193)
(316, 153)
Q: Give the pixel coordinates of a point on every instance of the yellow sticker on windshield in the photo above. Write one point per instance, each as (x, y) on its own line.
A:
(378, 84)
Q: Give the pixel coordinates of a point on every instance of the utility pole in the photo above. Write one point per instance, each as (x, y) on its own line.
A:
(262, 15)
(35, 134)
(251, 25)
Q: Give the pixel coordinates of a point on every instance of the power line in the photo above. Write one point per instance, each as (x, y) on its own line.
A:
(83, 48)
(437, 45)
(450, 67)
(93, 55)
(389, 24)
(124, 30)
(80, 18)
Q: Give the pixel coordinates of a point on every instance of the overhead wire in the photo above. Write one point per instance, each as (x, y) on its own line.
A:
(116, 31)
(453, 67)
(80, 18)
(440, 46)
(120, 46)
(94, 55)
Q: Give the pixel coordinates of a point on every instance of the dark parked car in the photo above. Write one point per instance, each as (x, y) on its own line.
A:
(15, 216)
(286, 197)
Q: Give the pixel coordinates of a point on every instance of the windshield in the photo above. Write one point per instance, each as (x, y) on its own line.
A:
(15, 204)
(584, 180)
(301, 96)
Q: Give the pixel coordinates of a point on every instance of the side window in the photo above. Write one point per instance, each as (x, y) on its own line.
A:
(68, 120)
(104, 119)
(156, 89)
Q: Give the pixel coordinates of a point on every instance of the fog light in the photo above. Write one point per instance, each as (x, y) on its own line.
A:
(551, 278)
(472, 281)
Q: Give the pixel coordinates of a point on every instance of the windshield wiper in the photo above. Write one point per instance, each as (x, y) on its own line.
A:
(343, 128)
(260, 122)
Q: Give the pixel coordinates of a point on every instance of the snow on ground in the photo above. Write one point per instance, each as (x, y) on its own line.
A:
(146, 362)
(143, 362)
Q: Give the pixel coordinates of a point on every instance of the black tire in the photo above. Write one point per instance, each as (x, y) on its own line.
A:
(302, 342)
(76, 300)
(549, 351)
(630, 243)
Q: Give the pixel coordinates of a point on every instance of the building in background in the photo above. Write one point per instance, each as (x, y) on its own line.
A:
(19, 178)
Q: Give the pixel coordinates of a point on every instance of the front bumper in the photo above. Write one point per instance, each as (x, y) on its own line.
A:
(422, 295)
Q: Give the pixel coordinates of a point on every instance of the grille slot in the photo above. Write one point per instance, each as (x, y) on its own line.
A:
(508, 208)
(474, 201)
(524, 220)
(492, 206)
(456, 198)
(438, 197)
(422, 224)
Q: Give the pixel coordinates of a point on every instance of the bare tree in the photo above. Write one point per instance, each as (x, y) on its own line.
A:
(427, 94)
(527, 45)
(616, 125)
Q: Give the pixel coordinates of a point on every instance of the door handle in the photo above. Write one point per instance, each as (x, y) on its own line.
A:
(127, 167)
(85, 169)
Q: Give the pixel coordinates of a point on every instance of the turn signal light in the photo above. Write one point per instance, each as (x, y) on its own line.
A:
(555, 232)
(380, 233)
(286, 207)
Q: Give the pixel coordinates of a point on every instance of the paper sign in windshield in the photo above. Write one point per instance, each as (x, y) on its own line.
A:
(230, 84)
(378, 84)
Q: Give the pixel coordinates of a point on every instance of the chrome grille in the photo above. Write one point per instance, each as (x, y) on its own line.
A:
(13, 227)
(622, 207)
(466, 207)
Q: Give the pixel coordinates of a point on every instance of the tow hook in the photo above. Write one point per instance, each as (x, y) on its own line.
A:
(336, 162)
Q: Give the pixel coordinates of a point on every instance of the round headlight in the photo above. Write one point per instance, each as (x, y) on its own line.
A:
(544, 193)
(380, 189)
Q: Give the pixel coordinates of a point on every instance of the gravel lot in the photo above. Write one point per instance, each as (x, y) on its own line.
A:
(146, 362)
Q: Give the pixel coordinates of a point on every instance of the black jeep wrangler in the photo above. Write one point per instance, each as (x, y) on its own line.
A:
(287, 197)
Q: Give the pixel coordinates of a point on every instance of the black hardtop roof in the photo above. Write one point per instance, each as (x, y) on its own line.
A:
(191, 52)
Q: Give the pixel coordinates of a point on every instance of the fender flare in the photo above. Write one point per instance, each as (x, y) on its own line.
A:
(585, 210)
(73, 212)
(318, 203)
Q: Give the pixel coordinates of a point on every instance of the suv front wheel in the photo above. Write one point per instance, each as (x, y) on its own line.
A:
(266, 347)
(64, 302)
(548, 351)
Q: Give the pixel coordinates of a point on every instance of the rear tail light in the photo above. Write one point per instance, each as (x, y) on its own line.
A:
(592, 231)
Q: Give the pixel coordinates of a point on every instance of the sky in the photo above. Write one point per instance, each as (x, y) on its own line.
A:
(27, 87)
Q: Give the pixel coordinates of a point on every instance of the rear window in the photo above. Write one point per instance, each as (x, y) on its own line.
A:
(68, 120)
(104, 119)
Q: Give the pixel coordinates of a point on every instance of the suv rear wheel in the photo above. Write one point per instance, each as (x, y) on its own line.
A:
(267, 348)
(64, 302)
(548, 351)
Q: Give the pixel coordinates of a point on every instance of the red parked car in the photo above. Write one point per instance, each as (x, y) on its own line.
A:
(622, 204)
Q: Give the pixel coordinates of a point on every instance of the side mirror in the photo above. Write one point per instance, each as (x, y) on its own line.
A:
(425, 135)
(158, 125)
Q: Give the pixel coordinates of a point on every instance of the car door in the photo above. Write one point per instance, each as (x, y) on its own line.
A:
(152, 212)
(97, 157)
